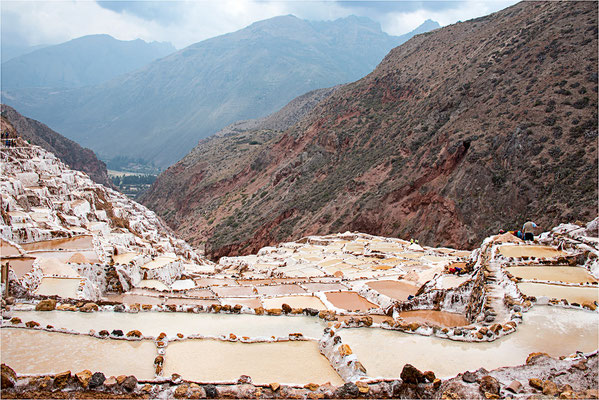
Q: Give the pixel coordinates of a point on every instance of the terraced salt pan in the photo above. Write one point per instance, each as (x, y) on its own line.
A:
(350, 301)
(153, 284)
(124, 258)
(530, 251)
(571, 293)
(553, 274)
(183, 284)
(41, 352)
(252, 302)
(552, 330)
(74, 243)
(283, 362)
(63, 287)
(398, 290)
(129, 298)
(153, 323)
(232, 291)
(8, 250)
(159, 262)
(66, 255)
(179, 301)
(202, 282)
(323, 287)
(442, 318)
(279, 289)
(53, 266)
(20, 265)
(294, 302)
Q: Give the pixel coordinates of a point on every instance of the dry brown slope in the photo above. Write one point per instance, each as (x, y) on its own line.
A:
(457, 133)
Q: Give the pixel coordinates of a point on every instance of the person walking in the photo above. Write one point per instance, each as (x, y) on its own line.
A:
(529, 228)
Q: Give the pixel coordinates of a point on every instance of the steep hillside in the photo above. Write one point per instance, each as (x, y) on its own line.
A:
(66, 150)
(161, 111)
(88, 60)
(456, 134)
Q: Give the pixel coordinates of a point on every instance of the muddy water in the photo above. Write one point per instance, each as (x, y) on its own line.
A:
(571, 293)
(546, 329)
(20, 265)
(295, 302)
(63, 287)
(40, 352)
(441, 318)
(530, 251)
(553, 274)
(283, 362)
(279, 289)
(152, 323)
(350, 301)
(395, 289)
(75, 243)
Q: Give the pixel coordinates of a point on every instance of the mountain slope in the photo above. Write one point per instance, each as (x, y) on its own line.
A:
(66, 150)
(88, 60)
(160, 112)
(458, 133)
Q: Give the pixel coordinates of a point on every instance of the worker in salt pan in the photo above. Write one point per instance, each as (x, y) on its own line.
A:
(528, 228)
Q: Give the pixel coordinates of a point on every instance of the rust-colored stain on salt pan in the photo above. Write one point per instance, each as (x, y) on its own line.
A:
(397, 290)
(350, 301)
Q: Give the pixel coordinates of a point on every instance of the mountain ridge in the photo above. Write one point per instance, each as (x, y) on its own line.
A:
(458, 133)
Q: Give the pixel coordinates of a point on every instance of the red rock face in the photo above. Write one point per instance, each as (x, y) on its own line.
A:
(458, 133)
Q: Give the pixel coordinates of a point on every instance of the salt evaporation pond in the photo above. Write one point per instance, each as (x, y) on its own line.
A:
(20, 265)
(442, 318)
(41, 352)
(571, 293)
(553, 274)
(397, 290)
(530, 251)
(74, 243)
(284, 362)
(298, 301)
(153, 323)
(552, 330)
(63, 287)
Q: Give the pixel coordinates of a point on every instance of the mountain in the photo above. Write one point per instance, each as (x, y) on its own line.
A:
(458, 133)
(159, 112)
(66, 150)
(9, 51)
(88, 60)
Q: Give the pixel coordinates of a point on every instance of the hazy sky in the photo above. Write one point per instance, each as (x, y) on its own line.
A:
(182, 23)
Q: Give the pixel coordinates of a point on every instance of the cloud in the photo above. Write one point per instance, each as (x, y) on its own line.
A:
(185, 22)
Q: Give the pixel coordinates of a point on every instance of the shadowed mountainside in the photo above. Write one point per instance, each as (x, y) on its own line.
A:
(456, 134)
(159, 112)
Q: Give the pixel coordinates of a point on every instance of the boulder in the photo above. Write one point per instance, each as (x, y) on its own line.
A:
(181, 391)
(110, 382)
(9, 377)
(412, 375)
(96, 380)
(83, 377)
(469, 377)
(46, 305)
(430, 376)
(89, 307)
(31, 324)
(534, 356)
(274, 311)
(536, 383)
(161, 336)
(286, 308)
(514, 387)
(62, 379)
(159, 360)
(211, 391)
(196, 392)
(120, 379)
(134, 333)
(550, 388)
(15, 320)
(310, 311)
(345, 350)
(488, 384)
(363, 387)
(348, 390)
(119, 308)
(259, 310)
(103, 332)
(274, 386)
(130, 383)
(312, 386)
(117, 333)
